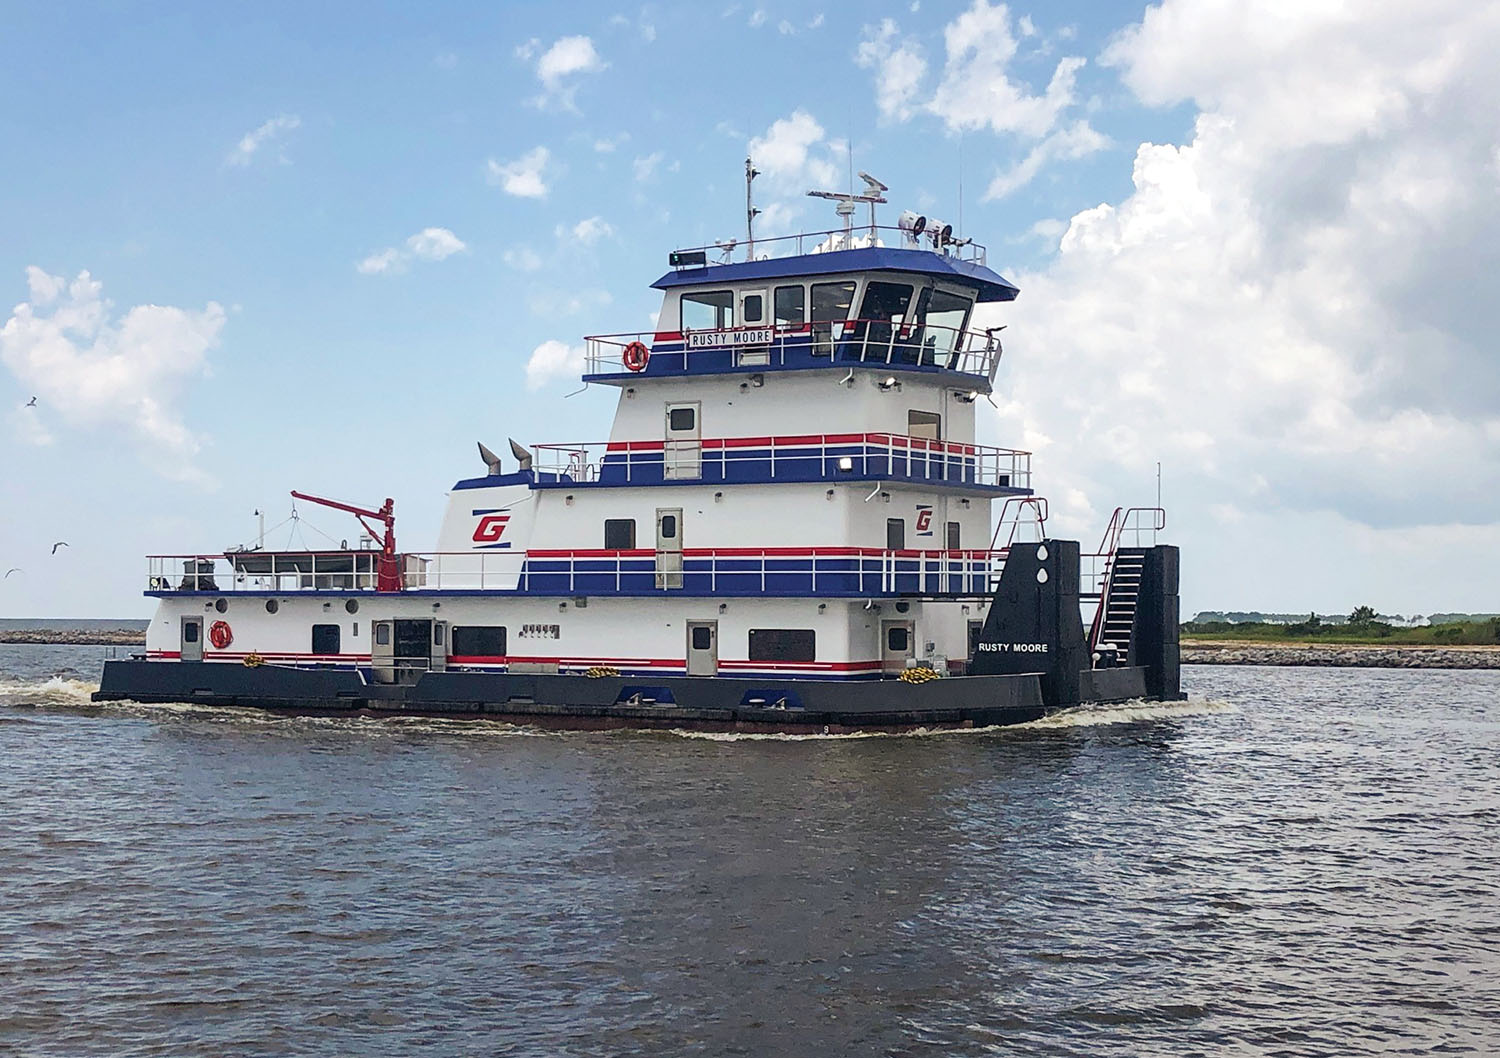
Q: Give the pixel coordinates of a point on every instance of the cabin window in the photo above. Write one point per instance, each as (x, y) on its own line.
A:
(703, 637)
(830, 304)
(190, 631)
(325, 639)
(953, 544)
(668, 530)
(479, 641)
(791, 306)
(926, 424)
(709, 311)
(897, 639)
(895, 534)
(681, 418)
(755, 308)
(782, 644)
(944, 314)
(383, 634)
(887, 320)
(619, 534)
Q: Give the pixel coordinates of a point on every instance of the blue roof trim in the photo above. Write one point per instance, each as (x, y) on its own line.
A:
(992, 286)
(516, 477)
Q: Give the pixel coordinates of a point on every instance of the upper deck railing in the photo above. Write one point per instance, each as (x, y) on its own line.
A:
(792, 458)
(831, 343)
(813, 242)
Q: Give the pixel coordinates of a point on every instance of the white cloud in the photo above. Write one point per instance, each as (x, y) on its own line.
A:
(1293, 310)
(977, 90)
(1071, 142)
(429, 244)
(524, 176)
(435, 244)
(559, 66)
(90, 369)
(817, 21)
(523, 259)
(757, 18)
(785, 28)
(645, 167)
(587, 231)
(387, 260)
(899, 68)
(551, 360)
(787, 154)
(251, 143)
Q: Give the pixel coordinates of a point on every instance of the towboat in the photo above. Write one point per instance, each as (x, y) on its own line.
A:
(791, 527)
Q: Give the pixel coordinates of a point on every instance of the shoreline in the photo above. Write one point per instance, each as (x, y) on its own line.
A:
(1338, 655)
(1193, 652)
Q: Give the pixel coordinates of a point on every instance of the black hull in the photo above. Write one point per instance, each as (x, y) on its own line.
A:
(699, 703)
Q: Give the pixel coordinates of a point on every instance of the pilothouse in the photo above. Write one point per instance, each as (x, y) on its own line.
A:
(791, 526)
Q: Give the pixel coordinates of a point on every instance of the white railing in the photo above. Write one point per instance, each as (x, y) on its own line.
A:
(844, 342)
(793, 457)
(837, 571)
(811, 242)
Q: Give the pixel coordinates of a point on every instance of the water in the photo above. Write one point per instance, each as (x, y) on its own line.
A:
(1299, 862)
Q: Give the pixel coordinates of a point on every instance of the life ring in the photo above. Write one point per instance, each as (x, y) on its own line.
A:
(220, 634)
(636, 356)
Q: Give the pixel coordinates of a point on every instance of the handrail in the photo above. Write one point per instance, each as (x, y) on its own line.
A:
(834, 239)
(1109, 546)
(893, 344)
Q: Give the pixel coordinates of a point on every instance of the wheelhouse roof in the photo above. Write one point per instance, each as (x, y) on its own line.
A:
(991, 286)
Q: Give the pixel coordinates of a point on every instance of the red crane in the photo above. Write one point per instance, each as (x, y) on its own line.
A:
(388, 572)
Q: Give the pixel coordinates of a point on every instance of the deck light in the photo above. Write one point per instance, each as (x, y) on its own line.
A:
(846, 463)
(889, 383)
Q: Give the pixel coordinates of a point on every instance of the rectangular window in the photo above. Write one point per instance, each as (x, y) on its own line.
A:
(190, 632)
(782, 644)
(791, 306)
(325, 639)
(755, 308)
(943, 315)
(887, 302)
(680, 420)
(897, 639)
(926, 424)
(479, 641)
(709, 311)
(382, 634)
(953, 544)
(831, 301)
(619, 534)
(703, 637)
(668, 529)
(895, 534)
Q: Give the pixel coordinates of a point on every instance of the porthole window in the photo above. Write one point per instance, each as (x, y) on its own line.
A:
(352, 606)
(222, 605)
(272, 606)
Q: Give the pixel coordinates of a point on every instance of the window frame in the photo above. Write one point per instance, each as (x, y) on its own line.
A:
(688, 298)
(772, 644)
(776, 314)
(460, 637)
(326, 630)
(616, 523)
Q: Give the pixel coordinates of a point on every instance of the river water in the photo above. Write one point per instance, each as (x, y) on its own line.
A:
(1295, 862)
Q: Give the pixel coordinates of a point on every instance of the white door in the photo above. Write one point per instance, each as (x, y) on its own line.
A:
(669, 548)
(755, 315)
(703, 648)
(383, 651)
(192, 639)
(439, 659)
(682, 453)
(897, 646)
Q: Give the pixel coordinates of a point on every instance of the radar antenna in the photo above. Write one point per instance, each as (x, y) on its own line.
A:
(874, 194)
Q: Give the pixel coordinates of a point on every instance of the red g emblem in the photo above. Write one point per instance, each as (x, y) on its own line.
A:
(490, 528)
(924, 519)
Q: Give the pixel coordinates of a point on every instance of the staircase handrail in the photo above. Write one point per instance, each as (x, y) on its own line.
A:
(1119, 522)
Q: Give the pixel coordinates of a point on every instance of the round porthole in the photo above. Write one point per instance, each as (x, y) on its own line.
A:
(352, 606)
(222, 605)
(1041, 576)
(272, 606)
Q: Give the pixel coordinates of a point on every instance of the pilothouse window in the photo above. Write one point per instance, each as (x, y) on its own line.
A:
(791, 306)
(944, 314)
(830, 304)
(708, 311)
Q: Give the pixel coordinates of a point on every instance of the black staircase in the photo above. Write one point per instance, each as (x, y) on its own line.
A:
(1122, 595)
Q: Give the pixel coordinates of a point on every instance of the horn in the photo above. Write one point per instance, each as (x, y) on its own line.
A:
(491, 460)
(522, 455)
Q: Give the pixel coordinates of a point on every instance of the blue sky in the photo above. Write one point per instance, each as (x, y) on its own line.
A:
(358, 225)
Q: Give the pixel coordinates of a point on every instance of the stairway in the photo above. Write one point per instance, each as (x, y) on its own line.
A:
(1120, 601)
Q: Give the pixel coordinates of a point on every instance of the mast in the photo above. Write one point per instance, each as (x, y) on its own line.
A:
(750, 211)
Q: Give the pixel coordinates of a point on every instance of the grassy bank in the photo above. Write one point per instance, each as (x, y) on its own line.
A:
(1459, 633)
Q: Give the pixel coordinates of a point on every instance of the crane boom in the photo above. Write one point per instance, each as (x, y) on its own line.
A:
(388, 573)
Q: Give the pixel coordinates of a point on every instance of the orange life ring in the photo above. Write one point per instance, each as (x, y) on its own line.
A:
(220, 634)
(636, 356)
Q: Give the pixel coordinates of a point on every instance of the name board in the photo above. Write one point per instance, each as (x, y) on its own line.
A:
(720, 339)
(1014, 648)
(540, 631)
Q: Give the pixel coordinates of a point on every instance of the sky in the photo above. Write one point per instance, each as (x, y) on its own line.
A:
(327, 247)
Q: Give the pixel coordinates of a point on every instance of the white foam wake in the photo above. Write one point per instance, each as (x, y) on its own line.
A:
(55, 690)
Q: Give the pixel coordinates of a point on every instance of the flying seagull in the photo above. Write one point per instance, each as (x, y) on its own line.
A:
(60, 543)
(31, 403)
(16, 569)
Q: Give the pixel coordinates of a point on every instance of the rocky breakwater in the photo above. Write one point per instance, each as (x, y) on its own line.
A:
(1338, 655)
(77, 637)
